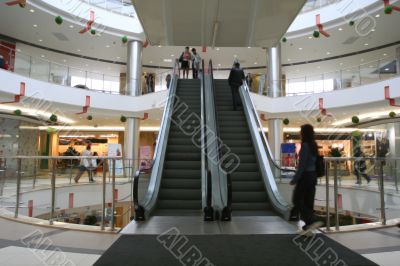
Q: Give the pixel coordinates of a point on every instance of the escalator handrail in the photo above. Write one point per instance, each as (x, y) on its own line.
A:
(262, 132)
(227, 209)
(159, 152)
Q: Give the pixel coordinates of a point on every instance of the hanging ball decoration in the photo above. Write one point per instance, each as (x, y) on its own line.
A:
(392, 115)
(356, 134)
(53, 118)
(123, 119)
(93, 32)
(351, 23)
(17, 112)
(286, 121)
(316, 34)
(58, 20)
(319, 119)
(388, 9)
(125, 39)
(284, 39)
(355, 120)
(89, 117)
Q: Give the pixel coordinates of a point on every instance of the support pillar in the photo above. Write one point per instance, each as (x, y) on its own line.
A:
(133, 74)
(275, 127)
(398, 60)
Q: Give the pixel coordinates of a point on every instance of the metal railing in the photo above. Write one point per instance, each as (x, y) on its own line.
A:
(381, 178)
(311, 5)
(14, 184)
(123, 7)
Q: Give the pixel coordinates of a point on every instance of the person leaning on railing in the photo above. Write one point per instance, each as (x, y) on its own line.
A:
(88, 165)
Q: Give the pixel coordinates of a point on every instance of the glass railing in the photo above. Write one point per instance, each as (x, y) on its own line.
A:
(123, 7)
(42, 69)
(350, 77)
(311, 5)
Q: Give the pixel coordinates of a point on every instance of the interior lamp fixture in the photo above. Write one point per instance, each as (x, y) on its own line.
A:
(36, 113)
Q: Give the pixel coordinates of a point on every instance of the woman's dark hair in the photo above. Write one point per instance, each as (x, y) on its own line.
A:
(308, 136)
(89, 146)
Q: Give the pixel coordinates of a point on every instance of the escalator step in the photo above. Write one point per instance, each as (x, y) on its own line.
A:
(181, 183)
(179, 204)
(248, 186)
(238, 206)
(245, 176)
(249, 196)
(196, 156)
(184, 165)
(180, 194)
(182, 173)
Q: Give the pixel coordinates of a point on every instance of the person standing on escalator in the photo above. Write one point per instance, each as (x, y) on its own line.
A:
(305, 180)
(185, 59)
(236, 77)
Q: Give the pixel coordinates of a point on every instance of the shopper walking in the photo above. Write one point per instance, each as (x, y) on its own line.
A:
(185, 59)
(168, 80)
(196, 59)
(360, 166)
(305, 180)
(236, 77)
(86, 165)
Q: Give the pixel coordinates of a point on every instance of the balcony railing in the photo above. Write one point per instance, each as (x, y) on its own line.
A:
(311, 5)
(123, 7)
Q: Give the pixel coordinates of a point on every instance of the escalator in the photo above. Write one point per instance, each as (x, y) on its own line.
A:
(180, 187)
(249, 195)
(250, 188)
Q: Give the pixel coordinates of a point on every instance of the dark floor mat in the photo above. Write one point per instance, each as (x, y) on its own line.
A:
(174, 249)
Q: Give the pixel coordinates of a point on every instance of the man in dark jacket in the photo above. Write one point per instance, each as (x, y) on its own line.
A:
(235, 80)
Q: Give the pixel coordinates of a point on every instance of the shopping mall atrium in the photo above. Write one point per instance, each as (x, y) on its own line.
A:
(199, 132)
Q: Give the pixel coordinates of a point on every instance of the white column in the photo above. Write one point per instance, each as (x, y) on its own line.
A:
(398, 60)
(275, 128)
(133, 75)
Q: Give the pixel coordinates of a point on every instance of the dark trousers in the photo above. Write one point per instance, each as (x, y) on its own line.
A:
(195, 73)
(235, 97)
(363, 174)
(304, 196)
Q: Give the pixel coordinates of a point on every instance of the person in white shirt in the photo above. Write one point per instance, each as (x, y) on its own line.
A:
(86, 165)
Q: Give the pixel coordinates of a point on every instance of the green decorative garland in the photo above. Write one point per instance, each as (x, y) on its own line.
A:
(286, 121)
(392, 115)
(89, 117)
(351, 23)
(53, 118)
(316, 34)
(123, 119)
(319, 119)
(284, 39)
(17, 112)
(93, 32)
(59, 20)
(388, 9)
(124, 39)
(355, 120)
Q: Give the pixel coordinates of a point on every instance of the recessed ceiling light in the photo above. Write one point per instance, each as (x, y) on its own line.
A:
(255, 63)
(340, 29)
(167, 60)
(289, 59)
(159, 46)
(377, 15)
(362, 59)
(32, 10)
(386, 69)
(309, 37)
(373, 30)
(40, 40)
(107, 46)
(172, 55)
(35, 25)
(248, 47)
(328, 53)
(371, 66)
(366, 44)
(18, 50)
(217, 49)
(64, 60)
(78, 50)
(151, 62)
(118, 57)
(219, 65)
(384, 54)
(300, 48)
(87, 65)
(341, 64)
(235, 55)
(318, 67)
(71, 26)
(42, 56)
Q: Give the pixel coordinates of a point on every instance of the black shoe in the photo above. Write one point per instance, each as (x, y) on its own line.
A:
(294, 219)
